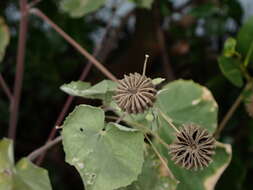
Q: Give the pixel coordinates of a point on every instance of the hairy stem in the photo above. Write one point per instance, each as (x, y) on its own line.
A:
(19, 70)
(71, 41)
(45, 147)
(5, 87)
(231, 111)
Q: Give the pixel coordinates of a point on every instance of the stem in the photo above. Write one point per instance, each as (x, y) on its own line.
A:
(145, 64)
(42, 149)
(71, 41)
(33, 3)
(5, 87)
(161, 158)
(231, 111)
(19, 70)
(166, 118)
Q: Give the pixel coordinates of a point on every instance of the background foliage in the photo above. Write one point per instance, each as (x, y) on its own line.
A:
(189, 47)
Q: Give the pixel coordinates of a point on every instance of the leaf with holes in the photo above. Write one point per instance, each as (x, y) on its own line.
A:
(24, 176)
(78, 8)
(98, 150)
(4, 38)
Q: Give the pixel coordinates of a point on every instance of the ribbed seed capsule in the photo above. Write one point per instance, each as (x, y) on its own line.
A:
(193, 148)
(249, 106)
(135, 93)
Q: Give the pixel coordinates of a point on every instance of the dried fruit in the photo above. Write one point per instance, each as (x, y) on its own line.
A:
(135, 93)
(193, 148)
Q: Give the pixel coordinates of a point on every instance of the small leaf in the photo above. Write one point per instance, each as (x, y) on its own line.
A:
(244, 38)
(153, 176)
(75, 88)
(230, 68)
(78, 8)
(229, 47)
(25, 176)
(103, 90)
(4, 38)
(106, 156)
(204, 10)
(157, 81)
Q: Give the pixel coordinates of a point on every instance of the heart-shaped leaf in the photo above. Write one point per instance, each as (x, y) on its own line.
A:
(107, 156)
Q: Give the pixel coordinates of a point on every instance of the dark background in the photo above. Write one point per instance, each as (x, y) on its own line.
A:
(183, 39)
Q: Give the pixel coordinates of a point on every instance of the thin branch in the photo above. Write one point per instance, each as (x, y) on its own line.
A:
(19, 70)
(231, 111)
(42, 149)
(74, 44)
(5, 87)
(161, 158)
(98, 49)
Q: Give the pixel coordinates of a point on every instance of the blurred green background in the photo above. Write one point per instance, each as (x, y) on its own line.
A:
(183, 38)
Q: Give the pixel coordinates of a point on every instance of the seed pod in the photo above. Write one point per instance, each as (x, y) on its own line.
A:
(135, 93)
(249, 106)
(193, 148)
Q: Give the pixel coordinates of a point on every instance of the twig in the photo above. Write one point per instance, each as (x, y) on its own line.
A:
(161, 158)
(84, 74)
(74, 43)
(231, 111)
(5, 87)
(19, 70)
(42, 149)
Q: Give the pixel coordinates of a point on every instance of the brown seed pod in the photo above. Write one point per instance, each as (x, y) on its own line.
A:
(193, 148)
(249, 106)
(135, 93)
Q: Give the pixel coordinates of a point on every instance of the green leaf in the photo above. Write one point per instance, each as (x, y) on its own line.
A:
(244, 38)
(25, 176)
(78, 8)
(30, 176)
(107, 156)
(186, 102)
(153, 176)
(230, 67)
(103, 90)
(229, 47)
(75, 88)
(147, 4)
(4, 38)
(157, 81)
